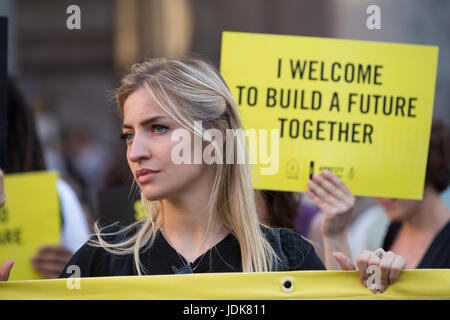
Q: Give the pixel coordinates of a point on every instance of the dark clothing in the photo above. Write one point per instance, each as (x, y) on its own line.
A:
(438, 253)
(295, 253)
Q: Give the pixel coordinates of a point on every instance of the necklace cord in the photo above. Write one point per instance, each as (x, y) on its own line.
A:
(184, 260)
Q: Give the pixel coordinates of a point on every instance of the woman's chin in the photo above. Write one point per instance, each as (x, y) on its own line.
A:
(151, 194)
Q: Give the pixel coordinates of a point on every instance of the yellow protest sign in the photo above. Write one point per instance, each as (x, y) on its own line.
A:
(411, 284)
(139, 212)
(360, 109)
(30, 218)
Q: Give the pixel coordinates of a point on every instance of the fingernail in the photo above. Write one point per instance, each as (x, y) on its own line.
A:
(382, 288)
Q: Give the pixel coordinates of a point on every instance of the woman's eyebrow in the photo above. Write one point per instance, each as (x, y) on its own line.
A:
(145, 122)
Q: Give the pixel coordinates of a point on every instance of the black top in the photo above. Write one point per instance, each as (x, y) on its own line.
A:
(296, 254)
(438, 253)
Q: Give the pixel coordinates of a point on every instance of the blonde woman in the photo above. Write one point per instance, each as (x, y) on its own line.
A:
(201, 217)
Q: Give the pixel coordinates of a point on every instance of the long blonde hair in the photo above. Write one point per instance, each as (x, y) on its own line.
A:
(189, 89)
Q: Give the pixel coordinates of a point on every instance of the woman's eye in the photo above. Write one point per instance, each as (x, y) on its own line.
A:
(159, 129)
(126, 137)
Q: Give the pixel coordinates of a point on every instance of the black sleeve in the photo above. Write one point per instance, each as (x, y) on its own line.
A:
(300, 253)
(91, 261)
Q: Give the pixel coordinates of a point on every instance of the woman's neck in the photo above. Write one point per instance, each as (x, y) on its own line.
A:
(430, 216)
(186, 229)
(186, 219)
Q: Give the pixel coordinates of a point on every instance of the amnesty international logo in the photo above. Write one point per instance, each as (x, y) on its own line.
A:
(292, 169)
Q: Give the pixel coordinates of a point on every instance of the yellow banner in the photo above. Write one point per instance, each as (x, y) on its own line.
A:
(360, 109)
(30, 218)
(411, 284)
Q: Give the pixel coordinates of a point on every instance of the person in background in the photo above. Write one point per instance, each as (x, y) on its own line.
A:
(277, 209)
(356, 215)
(424, 225)
(24, 154)
(419, 230)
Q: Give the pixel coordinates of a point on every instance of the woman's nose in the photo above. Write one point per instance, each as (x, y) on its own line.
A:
(139, 149)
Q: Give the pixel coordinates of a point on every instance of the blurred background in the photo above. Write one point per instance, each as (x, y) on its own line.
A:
(69, 76)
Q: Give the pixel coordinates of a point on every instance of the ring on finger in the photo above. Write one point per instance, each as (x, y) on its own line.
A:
(379, 254)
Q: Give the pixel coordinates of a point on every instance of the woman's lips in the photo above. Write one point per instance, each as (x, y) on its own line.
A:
(145, 175)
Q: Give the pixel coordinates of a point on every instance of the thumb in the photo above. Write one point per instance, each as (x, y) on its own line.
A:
(344, 262)
(5, 269)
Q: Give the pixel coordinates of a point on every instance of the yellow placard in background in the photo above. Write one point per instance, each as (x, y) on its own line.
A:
(30, 218)
(360, 109)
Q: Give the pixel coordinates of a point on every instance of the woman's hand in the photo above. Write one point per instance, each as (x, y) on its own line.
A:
(389, 265)
(334, 199)
(51, 260)
(5, 269)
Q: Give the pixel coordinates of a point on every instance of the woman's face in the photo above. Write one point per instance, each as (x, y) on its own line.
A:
(398, 209)
(147, 132)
